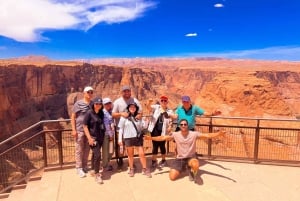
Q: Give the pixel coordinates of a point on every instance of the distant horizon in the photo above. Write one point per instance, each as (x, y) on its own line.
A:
(45, 59)
(231, 29)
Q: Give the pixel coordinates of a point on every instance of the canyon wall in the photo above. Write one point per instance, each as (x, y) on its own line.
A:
(30, 93)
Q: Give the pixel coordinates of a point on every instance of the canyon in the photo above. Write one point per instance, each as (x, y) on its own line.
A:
(37, 88)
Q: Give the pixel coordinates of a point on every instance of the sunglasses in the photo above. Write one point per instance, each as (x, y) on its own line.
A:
(183, 124)
(163, 101)
(90, 92)
(98, 103)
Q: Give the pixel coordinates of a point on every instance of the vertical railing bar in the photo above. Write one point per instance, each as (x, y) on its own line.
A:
(209, 145)
(256, 142)
(45, 150)
(60, 149)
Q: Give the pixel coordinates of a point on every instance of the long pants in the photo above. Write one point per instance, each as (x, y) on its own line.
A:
(96, 157)
(82, 150)
(106, 156)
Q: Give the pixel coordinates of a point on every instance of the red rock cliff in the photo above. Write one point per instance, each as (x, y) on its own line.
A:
(30, 93)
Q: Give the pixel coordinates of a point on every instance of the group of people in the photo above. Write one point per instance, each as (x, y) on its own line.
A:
(98, 123)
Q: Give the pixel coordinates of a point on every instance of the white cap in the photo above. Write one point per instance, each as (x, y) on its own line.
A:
(88, 88)
(106, 100)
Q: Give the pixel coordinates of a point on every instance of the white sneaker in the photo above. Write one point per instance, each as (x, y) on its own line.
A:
(80, 172)
(99, 178)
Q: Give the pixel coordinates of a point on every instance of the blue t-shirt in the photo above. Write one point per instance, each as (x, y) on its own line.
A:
(189, 115)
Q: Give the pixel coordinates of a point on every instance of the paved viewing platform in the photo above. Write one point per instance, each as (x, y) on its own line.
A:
(217, 181)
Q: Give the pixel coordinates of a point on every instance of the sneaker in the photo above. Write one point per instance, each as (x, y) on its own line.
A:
(109, 168)
(85, 169)
(131, 172)
(154, 164)
(98, 179)
(191, 176)
(162, 163)
(146, 172)
(80, 172)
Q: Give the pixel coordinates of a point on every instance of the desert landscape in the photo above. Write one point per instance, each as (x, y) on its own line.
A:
(36, 88)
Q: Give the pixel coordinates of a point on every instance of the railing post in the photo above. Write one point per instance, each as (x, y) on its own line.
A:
(256, 141)
(209, 145)
(60, 150)
(45, 149)
(116, 144)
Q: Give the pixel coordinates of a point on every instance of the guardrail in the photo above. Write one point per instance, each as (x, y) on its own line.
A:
(49, 143)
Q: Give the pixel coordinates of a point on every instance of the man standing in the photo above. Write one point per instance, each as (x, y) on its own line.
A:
(189, 112)
(120, 110)
(186, 149)
(107, 148)
(82, 148)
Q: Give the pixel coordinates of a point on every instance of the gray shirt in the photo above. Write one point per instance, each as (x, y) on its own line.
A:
(80, 108)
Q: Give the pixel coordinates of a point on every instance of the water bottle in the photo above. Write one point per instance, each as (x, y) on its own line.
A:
(121, 150)
(111, 147)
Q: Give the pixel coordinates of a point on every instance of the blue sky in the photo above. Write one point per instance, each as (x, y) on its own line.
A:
(86, 29)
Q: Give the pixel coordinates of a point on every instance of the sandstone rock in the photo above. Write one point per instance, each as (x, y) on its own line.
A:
(31, 93)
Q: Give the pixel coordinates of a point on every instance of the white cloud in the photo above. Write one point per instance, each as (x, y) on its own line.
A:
(218, 5)
(191, 35)
(289, 53)
(26, 20)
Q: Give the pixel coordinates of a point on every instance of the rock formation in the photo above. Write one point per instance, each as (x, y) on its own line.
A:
(36, 91)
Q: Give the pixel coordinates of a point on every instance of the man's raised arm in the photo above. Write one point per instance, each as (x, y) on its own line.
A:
(158, 138)
(212, 135)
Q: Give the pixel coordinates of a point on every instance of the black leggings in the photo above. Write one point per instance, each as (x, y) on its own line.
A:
(158, 144)
(96, 157)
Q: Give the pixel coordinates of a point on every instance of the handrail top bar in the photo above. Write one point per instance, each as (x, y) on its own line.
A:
(32, 126)
(249, 118)
(199, 116)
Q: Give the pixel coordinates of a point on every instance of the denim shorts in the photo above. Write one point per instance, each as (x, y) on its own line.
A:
(134, 141)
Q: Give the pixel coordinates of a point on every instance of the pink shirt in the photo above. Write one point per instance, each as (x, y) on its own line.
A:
(186, 145)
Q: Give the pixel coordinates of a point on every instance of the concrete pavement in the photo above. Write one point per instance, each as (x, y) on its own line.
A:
(225, 181)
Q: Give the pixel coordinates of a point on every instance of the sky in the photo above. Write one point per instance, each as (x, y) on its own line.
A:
(89, 29)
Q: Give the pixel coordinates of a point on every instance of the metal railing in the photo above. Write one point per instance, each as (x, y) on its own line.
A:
(49, 143)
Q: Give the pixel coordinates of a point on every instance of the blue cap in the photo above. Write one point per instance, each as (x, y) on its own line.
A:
(186, 99)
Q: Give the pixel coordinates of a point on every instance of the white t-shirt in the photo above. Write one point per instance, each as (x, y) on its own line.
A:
(120, 105)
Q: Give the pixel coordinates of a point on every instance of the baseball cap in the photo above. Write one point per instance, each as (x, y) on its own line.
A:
(133, 103)
(126, 88)
(97, 100)
(163, 98)
(88, 88)
(186, 99)
(106, 100)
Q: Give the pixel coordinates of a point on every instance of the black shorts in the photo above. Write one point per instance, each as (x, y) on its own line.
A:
(180, 164)
(134, 141)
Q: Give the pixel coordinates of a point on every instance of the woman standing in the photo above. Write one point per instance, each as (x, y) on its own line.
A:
(130, 130)
(94, 130)
(160, 124)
